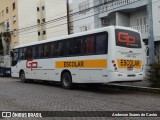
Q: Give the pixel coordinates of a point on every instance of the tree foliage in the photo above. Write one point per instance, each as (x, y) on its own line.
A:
(154, 74)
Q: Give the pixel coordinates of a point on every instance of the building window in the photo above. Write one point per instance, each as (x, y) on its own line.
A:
(44, 32)
(7, 10)
(37, 8)
(84, 7)
(141, 21)
(43, 7)
(8, 25)
(44, 20)
(15, 32)
(38, 21)
(83, 28)
(14, 19)
(39, 33)
(14, 6)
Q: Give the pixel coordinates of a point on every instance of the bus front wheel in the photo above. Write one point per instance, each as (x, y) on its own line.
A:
(66, 80)
(22, 77)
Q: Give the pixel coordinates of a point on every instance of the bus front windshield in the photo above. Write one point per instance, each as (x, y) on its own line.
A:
(127, 38)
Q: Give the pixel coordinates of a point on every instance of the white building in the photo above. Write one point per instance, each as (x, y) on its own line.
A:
(132, 13)
(44, 16)
(81, 15)
(27, 21)
(33, 20)
(56, 18)
(156, 25)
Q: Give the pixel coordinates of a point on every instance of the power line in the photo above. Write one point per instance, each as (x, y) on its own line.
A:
(61, 24)
(73, 14)
(61, 18)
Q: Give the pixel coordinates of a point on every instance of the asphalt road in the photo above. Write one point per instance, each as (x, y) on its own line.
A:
(39, 96)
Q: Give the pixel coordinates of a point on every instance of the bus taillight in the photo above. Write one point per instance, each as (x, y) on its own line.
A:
(114, 65)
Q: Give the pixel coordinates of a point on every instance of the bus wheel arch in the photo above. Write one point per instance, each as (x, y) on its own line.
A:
(22, 76)
(66, 79)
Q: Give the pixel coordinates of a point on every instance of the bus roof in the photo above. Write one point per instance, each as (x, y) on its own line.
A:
(75, 35)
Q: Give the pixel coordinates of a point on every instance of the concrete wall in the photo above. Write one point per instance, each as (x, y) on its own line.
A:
(122, 19)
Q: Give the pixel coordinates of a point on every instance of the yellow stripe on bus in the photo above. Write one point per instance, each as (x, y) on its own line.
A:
(123, 63)
(99, 63)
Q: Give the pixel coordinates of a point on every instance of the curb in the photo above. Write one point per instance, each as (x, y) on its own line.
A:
(135, 88)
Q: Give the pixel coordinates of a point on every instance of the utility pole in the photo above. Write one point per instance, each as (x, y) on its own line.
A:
(2, 38)
(151, 34)
(68, 17)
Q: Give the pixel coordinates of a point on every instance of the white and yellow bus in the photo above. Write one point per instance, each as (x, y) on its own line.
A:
(109, 54)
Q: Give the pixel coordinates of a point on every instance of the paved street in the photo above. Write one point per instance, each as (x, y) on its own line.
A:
(39, 96)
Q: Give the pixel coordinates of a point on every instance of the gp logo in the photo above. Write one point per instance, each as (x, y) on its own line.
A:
(125, 38)
(31, 64)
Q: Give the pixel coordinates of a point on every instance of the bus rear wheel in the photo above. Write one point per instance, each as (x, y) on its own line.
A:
(66, 81)
(22, 77)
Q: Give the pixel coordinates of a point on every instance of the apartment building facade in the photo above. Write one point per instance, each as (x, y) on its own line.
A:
(101, 13)
(32, 20)
(136, 14)
(129, 13)
(81, 15)
(156, 26)
(56, 18)
(8, 22)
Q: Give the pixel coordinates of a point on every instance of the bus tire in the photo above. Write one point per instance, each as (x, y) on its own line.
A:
(66, 80)
(22, 77)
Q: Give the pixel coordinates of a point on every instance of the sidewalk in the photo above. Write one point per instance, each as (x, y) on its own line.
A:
(144, 83)
(142, 86)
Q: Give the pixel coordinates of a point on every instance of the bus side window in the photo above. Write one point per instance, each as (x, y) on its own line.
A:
(29, 53)
(34, 52)
(40, 51)
(60, 50)
(46, 50)
(78, 45)
(21, 54)
(70, 47)
(52, 49)
(101, 43)
(15, 55)
(88, 45)
(25, 54)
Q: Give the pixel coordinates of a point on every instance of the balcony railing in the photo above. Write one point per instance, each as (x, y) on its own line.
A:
(109, 3)
(141, 28)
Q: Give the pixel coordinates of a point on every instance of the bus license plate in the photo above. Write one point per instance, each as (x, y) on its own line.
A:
(131, 75)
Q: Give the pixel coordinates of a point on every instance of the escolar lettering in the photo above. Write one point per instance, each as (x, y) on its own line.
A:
(74, 64)
(130, 63)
